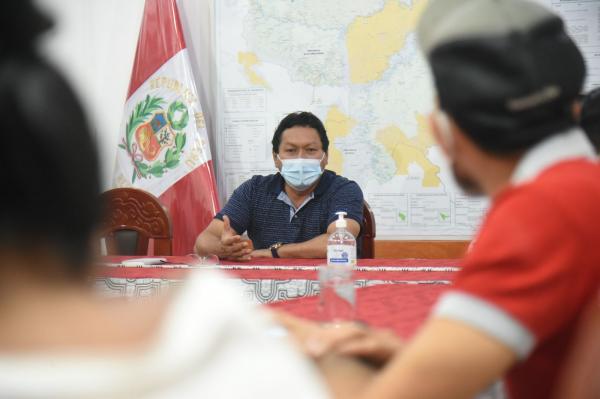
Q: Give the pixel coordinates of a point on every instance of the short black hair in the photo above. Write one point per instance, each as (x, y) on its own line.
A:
(304, 119)
(590, 117)
(50, 166)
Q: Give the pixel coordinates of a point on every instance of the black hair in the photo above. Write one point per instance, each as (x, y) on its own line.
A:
(20, 24)
(304, 119)
(590, 117)
(49, 161)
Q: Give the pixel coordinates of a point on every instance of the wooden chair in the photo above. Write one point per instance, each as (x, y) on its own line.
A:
(133, 217)
(368, 233)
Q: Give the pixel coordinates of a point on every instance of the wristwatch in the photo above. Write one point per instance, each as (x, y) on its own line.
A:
(274, 249)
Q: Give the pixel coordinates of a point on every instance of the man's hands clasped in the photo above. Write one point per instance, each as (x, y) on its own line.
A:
(233, 247)
(347, 339)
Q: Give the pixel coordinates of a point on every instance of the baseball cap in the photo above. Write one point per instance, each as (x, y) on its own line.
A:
(505, 70)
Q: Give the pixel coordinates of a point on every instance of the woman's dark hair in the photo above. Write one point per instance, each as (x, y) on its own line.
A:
(49, 162)
(20, 24)
(304, 119)
(590, 117)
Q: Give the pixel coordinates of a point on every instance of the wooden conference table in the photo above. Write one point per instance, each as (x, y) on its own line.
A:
(391, 293)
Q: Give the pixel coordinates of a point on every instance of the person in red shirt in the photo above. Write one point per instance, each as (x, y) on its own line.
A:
(507, 76)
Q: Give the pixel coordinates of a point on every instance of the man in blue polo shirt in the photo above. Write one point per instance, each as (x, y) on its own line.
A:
(289, 214)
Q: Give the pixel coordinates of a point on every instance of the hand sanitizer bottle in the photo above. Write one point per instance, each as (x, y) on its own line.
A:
(337, 283)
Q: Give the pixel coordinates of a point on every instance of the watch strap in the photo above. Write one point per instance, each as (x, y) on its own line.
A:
(274, 252)
(274, 249)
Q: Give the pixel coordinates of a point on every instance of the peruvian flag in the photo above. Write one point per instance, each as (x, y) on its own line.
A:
(163, 144)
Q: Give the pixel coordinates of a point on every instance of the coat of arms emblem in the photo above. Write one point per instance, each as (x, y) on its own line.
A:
(154, 139)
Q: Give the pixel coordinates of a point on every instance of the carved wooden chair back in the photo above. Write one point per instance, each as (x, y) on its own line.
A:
(368, 233)
(133, 217)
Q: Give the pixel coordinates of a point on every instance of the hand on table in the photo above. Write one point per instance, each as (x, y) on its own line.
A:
(232, 245)
(349, 339)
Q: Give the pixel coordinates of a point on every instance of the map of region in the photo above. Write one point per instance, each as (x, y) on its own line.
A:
(357, 66)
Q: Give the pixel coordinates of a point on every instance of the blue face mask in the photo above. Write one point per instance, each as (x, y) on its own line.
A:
(301, 173)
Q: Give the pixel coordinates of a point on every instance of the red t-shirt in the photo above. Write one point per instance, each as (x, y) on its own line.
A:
(536, 263)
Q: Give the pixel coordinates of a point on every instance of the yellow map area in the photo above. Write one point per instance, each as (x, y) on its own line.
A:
(249, 61)
(372, 40)
(406, 150)
(337, 125)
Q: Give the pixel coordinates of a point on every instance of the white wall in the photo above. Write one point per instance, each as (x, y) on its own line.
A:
(93, 43)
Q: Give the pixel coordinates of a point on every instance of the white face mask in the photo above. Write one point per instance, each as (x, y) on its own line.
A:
(301, 173)
(464, 182)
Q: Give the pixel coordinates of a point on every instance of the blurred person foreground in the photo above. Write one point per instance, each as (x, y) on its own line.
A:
(60, 340)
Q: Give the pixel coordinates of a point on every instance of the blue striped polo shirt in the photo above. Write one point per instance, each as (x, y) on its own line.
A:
(261, 208)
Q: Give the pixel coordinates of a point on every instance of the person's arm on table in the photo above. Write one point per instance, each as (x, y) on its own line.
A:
(447, 359)
(222, 236)
(313, 248)
(377, 346)
(220, 239)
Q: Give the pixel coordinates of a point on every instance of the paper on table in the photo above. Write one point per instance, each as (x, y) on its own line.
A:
(143, 262)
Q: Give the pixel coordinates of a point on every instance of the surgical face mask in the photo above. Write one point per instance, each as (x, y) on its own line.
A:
(301, 173)
(443, 123)
(465, 182)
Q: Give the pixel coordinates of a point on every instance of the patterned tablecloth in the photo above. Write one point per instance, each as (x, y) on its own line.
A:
(269, 280)
(392, 293)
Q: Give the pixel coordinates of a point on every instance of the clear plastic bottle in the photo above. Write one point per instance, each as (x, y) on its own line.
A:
(336, 279)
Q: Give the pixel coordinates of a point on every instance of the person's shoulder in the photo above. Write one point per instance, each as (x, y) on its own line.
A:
(557, 189)
(582, 173)
(334, 177)
(260, 182)
(264, 179)
(543, 209)
(519, 205)
(336, 181)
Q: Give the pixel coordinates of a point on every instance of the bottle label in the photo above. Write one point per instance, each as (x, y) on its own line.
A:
(341, 255)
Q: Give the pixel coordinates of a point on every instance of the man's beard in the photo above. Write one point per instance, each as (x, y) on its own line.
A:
(466, 182)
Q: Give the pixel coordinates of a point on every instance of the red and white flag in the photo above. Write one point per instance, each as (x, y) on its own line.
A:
(163, 144)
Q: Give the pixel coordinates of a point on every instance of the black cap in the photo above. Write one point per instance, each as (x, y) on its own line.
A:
(505, 70)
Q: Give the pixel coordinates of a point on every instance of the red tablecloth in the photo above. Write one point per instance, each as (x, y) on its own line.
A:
(280, 269)
(270, 280)
(400, 307)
